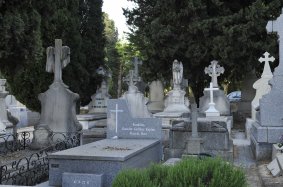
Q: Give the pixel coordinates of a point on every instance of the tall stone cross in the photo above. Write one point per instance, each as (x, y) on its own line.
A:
(266, 70)
(277, 26)
(214, 70)
(116, 111)
(58, 57)
(136, 63)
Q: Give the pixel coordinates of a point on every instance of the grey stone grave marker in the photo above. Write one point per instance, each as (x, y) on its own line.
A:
(122, 125)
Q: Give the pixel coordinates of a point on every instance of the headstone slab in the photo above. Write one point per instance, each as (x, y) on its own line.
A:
(120, 123)
(156, 97)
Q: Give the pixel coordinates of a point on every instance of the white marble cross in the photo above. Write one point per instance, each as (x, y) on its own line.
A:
(116, 117)
(214, 70)
(266, 70)
(136, 63)
(211, 111)
(58, 57)
(277, 26)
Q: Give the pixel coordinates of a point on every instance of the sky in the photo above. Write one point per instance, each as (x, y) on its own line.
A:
(114, 9)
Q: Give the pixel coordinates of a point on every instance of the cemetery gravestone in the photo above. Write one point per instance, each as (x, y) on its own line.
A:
(220, 99)
(131, 143)
(58, 104)
(156, 97)
(269, 128)
(135, 99)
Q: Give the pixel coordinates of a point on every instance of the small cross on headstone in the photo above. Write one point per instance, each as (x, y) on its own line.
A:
(116, 111)
(58, 57)
(211, 111)
(266, 71)
(136, 63)
(214, 70)
(277, 26)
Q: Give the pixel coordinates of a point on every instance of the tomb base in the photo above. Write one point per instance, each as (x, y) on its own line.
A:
(106, 157)
(215, 140)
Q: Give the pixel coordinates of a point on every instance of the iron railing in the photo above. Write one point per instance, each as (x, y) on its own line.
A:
(33, 169)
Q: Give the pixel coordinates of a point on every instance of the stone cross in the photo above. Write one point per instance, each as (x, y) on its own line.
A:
(136, 63)
(116, 117)
(214, 70)
(58, 57)
(211, 111)
(131, 79)
(277, 26)
(266, 70)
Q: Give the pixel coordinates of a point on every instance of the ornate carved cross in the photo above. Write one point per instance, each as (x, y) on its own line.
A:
(214, 70)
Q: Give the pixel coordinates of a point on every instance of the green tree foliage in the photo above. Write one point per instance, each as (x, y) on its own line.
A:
(28, 27)
(197, 32)
(112, 60)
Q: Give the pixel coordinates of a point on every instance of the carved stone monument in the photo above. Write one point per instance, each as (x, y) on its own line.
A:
(262, 86)
(135, 99)
(99, 99)
(58, 104)
(156, 97)
(220, 99)
(269, 128)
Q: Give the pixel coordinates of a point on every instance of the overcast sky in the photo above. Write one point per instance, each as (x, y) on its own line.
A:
(114, 9)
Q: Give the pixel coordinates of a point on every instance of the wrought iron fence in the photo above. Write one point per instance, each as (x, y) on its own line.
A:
(33, 169)
(14, 142)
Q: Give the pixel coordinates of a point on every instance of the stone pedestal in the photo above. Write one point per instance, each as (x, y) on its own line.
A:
(215, 140)
(193, 146)
(219, 98)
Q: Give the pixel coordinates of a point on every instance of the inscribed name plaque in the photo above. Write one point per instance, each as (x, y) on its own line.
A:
(121, 124)
(82, 180)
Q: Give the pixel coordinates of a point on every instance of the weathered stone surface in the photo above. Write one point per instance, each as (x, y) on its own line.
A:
(156, 97)
(274, 168)
(58, 103)
(99, 99)
(276, 150)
